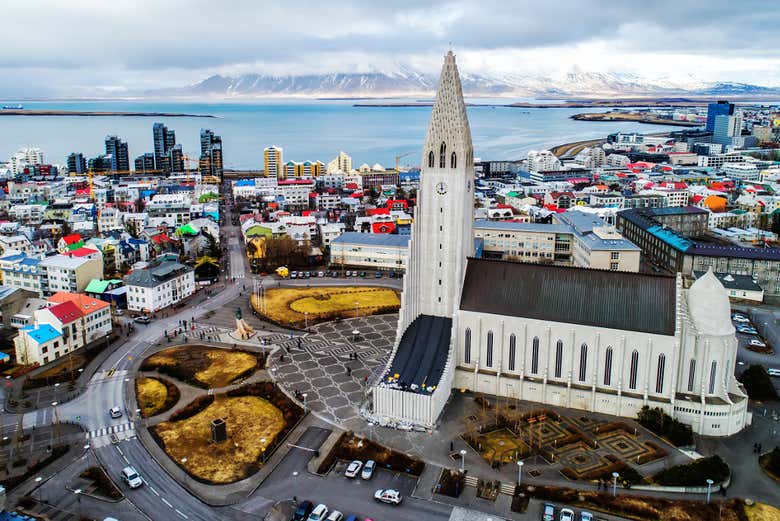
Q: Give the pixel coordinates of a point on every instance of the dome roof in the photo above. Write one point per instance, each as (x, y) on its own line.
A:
(709, 306)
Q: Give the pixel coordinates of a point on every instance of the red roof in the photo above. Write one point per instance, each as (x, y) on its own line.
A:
(84, 191)
(66, 312)
(351, 186)
(82, 252)
(383, 227)
(73, 238)
(296, 182)
(696, 198)
(378, 211)
(161, 238)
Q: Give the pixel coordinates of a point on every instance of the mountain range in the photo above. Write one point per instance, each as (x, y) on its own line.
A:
(406, 83)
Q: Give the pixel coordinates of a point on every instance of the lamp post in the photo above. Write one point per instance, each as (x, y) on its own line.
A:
(614, 483)
(709, 489)
(78, 499)
(463, 461)
(38, 486)
(519, 472)
(304, 401)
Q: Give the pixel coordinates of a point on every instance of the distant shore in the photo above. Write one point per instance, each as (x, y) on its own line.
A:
(30, 112)
(569, 150)
(651, 119)
(568, 104)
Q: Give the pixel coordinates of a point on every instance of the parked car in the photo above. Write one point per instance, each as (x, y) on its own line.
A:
(586, 516)
(319, 513)
(303, 510)
(548, 512)
(736, 317)
(392, 275)
(378, 274)
(388, 495)
(293, 274)
(352, 517)
(773, 372)
(321, 274)
(131, 477)
(335, 516)
(368, 469)
(353, 468)
(143, 319)
(756, 342)
(567, 514)
(362, 273)
(354, 273)
(115, 412)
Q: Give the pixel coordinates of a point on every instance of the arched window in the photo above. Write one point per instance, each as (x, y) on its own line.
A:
(467, 345)
(659, 380)
(633, 370)
(608, 367)
(535, 355)
(713, 374)
(489, 357)
(431, 159)
(558, 359)
(583, 362)
(691, 374)
(512, 351)
(442, 155)
(453, 160)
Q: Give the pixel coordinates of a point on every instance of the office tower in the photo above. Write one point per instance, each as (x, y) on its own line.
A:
(210, 153)
(721, 108)
(77, 163)
(117, 149)
(145, 162)
(176, 159)
(100, 163)
(726, 129)
(272, 161)
(164, 141)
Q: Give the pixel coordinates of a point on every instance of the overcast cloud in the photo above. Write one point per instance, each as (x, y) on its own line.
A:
(83, 47)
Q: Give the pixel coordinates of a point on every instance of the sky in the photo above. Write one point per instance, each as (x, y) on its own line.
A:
(98, 48)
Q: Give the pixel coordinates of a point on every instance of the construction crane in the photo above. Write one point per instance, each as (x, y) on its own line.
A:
(187, 159)
(399, 157)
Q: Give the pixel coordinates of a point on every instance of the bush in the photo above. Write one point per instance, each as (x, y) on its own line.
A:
(103, 484)
(350, 447)
(757, 383)
(192, 408)
(657, 421)
(694, 474)
(451, 483)
(771, 461)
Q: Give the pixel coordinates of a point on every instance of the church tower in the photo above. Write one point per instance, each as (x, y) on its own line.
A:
(442, 236)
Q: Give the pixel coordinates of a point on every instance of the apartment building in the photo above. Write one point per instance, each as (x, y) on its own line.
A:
(160, 285)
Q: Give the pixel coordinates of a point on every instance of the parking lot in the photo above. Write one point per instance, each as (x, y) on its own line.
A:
(766, 322)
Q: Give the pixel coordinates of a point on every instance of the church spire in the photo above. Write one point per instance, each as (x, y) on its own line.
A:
(449, 124)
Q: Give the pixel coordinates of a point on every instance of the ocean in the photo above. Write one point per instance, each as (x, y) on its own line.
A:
(306, 129)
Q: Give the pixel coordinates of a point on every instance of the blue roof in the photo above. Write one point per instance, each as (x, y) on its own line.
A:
(373, 239)
(4, 357)
(245, 182)
(14, 257)
(31, 261)
(43, 333)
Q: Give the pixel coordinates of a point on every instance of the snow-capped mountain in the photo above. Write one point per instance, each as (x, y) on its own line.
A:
(407, 83)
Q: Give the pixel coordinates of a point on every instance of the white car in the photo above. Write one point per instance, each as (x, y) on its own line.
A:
(586, 516)
(388, 495)
(318, 514)
(740, 318)
(757, 343)
(353, 469)
(773, 372)
(335, 515)
(368, 469)
(115, 412)
(131, 477)
(567, 514)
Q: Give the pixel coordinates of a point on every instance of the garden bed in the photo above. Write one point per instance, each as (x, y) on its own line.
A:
(103, 484)
(204, 366)
(451, 483)
(350, 447)
(155, 395)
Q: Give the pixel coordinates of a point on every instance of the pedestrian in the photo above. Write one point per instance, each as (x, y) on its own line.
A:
(349, 371)
(356, 355)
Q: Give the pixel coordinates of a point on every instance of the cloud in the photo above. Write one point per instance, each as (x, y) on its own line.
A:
(55, 46)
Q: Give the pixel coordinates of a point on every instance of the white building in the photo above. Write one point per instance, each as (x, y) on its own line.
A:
(341, 163)
(159, 286)
(373, 251)
(25, 157)
(71, 273)
(597, 340)
(741, 171)
(542, 161)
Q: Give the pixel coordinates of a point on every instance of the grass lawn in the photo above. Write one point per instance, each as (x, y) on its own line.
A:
(204, 366)
(252, 425)
(72, 363)
(762, 512)
(155, 396)
(286, 305)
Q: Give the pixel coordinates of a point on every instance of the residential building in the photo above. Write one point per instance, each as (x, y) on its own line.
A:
(144, 163)
(374, 251)
(117, 150)
(70, 272)
(19, 243)
(23, 158)
(524, 242)
(742, 171)
(12, 300)
(164, 140)
(21, 271)
(542, 161)
(210, 153)
(598, 245)
(95, 313)
(273, 162)
(341, 163)
(77, 163)
(160, 285)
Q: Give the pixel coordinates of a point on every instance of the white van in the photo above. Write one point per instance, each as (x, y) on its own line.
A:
(131, 477)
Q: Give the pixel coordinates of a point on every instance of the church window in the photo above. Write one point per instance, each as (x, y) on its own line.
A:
(713, 374)
(726, 374)
(608, 367)
(431, 160)
(583, 362)
(442, 155)
(659, 380)
(633, 370)
(558, 359)
(691, 374)
(512, 351)
(453, 161)
(535, 355)
(489, 357)
(467, 347)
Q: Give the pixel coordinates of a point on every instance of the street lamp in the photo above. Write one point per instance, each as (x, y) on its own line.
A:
(709, 488)
(304, 401)
(78, 498)
(462, 461)
(614, 483)
(37, 486)
(519, 472)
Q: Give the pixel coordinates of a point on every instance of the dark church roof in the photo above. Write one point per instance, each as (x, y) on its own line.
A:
(422, 353)
(607, 299)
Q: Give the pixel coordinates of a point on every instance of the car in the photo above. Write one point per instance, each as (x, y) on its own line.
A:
(548, 512)
(773, 372)
(378, 275)
(303, 510)
(388, 495)
(736, 317)
(368, 469)
(353, 468)
(118, 312)
(319, 513)
(293, 274)
(115, 412)
(362, 273)
(586, 516)
(143, 319)
(131, 477)
(335, 516)
(352, 517)
(392, 275)
(567, 514)
(321, 274)
(756, 342)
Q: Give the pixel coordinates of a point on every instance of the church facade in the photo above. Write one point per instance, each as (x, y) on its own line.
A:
(602, 341)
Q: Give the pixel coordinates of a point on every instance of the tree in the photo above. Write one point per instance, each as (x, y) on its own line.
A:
(212, 246)
(757, 383)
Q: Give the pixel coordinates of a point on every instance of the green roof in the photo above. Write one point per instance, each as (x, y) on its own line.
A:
(100, 286)
(75, 245)
(187, 230)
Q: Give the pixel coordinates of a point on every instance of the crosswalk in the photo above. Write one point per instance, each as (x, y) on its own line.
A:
(111, 429)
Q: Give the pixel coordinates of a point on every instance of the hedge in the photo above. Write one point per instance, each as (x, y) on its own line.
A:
(694, 474)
